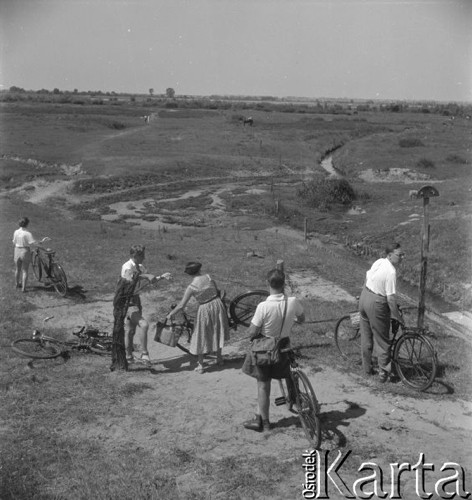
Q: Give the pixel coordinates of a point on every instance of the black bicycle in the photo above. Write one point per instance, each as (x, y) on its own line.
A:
(414, 358)
(240, 311)
(48, 271)
(300, 398)
(40, 346)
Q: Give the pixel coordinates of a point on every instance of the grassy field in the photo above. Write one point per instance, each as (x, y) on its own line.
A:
(56, 416)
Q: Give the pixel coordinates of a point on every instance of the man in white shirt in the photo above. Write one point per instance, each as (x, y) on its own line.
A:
(377, 306)
(23, 240)
(267, 321)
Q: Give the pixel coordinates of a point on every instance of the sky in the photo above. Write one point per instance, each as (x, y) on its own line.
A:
(358, 49)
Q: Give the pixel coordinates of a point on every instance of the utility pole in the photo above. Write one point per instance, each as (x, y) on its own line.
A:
(426, 192)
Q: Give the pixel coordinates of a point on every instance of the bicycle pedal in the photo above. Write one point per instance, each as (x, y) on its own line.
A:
(280, 401)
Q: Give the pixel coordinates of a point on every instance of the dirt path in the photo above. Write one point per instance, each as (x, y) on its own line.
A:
(203, 413)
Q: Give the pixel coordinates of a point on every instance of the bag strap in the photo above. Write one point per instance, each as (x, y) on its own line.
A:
(283, 318)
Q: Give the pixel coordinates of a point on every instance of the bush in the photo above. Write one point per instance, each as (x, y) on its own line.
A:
(456, 159)
(410, 142)
(327, 192)
(425, 163)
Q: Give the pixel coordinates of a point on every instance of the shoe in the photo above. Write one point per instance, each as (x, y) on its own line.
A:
(144, 358)
(254, 424)
(383, 377)
(199, 369)
(130, 359)
(266, 426)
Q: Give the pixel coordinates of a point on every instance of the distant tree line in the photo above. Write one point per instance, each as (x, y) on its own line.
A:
(262, 103)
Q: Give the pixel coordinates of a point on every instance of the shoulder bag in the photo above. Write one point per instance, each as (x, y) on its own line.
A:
(265, 350)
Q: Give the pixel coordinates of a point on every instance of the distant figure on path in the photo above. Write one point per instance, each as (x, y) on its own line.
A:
(211, 325)
(23, 240)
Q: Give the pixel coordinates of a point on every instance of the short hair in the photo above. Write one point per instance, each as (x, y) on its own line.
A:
(23, 222)
(192, 268)
(137, 250)
(390, 247)
(276, 279)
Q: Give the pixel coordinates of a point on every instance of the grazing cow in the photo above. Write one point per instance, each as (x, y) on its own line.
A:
(249, 120)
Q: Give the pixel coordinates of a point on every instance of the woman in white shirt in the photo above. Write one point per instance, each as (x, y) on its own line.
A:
(23, 240)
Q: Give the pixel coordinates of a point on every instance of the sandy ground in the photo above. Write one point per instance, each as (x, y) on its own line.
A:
(206, 411)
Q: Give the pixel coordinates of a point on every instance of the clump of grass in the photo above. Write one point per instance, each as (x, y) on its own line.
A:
(425, 163)
(323, 194)
(410, 142)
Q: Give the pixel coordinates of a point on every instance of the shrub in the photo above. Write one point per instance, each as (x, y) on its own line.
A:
(456, 159)
(327, 192)
(410, 142)
(425, 163)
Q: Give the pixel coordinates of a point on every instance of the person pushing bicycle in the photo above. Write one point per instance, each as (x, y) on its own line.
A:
(273, 318)
(23, 240)
(377, 305)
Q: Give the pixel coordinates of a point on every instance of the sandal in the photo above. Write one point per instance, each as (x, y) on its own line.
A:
(199, 369)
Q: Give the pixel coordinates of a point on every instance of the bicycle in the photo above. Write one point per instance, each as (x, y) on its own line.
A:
(48, 271)
(414, 358)
(40, 346)
(240, 311)
(297, 391)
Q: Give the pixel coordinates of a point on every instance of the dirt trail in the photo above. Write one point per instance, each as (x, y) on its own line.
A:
(204, 412)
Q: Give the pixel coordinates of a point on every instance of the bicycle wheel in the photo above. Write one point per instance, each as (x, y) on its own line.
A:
(37, 267)
(59, 280)
(348, 340)
(37, 349)
(307, 408)
(415, 361)
(102, 345)
(242, 307)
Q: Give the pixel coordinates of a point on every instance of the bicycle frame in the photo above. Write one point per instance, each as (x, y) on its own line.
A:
(300, 394)
(45, 268)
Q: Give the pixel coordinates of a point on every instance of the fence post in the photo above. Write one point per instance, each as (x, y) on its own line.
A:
(306, 228)
(280, 265)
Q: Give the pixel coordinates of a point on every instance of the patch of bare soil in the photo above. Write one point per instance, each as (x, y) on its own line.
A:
(404, 175)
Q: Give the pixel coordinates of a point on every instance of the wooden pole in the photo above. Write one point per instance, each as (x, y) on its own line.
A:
(306, 228)
(425, 193)
(424, 262)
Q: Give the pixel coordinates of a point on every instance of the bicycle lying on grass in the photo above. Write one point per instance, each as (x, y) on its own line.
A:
(240, 311)
(40, 346)
(48, 271)
(298, 391)
(414, 358)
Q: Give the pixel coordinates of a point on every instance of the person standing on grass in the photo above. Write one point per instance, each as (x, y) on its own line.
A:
(211, 325)
(133, 270)
(269, 321)
(23, 240)
(377, 306)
